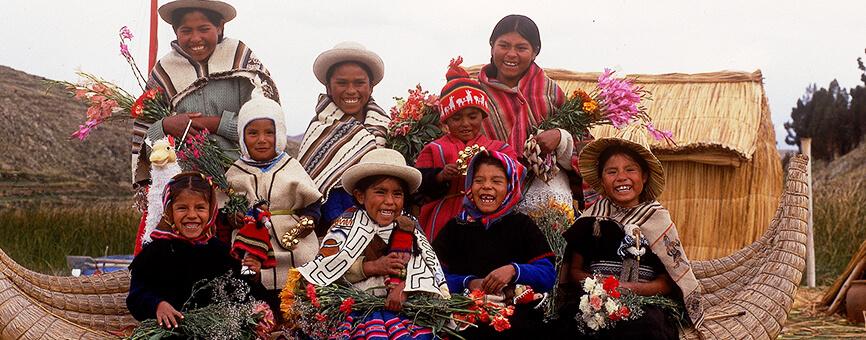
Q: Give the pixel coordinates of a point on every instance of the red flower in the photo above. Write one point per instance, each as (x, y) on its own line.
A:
(508, 311)
(346, 306)
(614, 294)
(477, 296)
(610, 283)
(500, 323)
(311, 293)
(484, 316)
(624, 312)
(321, 317)
(150, 94)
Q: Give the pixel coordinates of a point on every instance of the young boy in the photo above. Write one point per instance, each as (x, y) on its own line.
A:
(265, 172)
(462, 106)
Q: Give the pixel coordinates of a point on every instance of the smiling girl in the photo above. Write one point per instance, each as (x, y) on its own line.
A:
(490, 247)
(183, 252)
(359, 248)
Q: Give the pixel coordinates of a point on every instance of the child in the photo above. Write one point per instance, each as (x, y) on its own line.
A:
(489, 246)
(265, 172)
(463, 105)
(183, 252)
(356, 248)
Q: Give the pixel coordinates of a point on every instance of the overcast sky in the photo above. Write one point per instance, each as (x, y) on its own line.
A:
(794, 43)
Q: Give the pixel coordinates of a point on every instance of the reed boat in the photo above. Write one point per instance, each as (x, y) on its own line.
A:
(746, 295)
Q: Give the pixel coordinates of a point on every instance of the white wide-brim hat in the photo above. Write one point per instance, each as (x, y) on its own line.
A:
(348, 51)
(381, 162)
(227, 11)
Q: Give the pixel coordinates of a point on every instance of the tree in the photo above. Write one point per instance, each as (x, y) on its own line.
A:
(823, 115)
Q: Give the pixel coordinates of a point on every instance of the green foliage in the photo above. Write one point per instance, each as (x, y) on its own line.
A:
(40, 237)
(410, 144)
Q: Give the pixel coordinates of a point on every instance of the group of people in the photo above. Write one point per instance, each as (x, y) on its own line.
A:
(337, 209)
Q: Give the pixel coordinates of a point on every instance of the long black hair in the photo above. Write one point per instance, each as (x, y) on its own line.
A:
(521, 24)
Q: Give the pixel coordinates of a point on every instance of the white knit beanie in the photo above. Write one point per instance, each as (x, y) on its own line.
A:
(259, 107)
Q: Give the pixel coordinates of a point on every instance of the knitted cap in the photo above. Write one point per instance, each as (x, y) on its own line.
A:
(261, 107)
(460, 92)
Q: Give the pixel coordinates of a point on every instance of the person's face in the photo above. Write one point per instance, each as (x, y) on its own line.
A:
(623, 180)
(489, 187)
(465, 124)
(350, 88)
(197, 36)
(190, 213)
(260, 138)
(383, 201)
(512, 55)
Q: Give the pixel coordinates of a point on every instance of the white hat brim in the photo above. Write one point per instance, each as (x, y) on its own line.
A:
(359, 171)
(335, 56)
(227, 11)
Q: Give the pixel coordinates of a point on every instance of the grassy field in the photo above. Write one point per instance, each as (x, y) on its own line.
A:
(40, 237)
(840, 227)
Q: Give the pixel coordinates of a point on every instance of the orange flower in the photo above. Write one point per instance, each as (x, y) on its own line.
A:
(500, 323)
(590, 106)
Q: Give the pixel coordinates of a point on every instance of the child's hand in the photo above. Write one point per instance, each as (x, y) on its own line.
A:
(448, 173)
(391, 264)
(548, 140)
(497, 279)
(167, 316)
(396, 297)
(252, 263)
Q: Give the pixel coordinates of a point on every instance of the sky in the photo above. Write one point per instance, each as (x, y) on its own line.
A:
(794, 43)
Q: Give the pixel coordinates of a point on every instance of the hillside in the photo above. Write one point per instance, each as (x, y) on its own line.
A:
(41, 163)
(39, 160)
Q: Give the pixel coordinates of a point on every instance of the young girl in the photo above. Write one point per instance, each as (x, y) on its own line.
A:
(489, 246)
(629, 235)
(182, 253)
(463, 106)
(265, 172)
(357, 248)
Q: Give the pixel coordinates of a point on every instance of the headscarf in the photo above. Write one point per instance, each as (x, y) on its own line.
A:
(166, 231)
(514, 171)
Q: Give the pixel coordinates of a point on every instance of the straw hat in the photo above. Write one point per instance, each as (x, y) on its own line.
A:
(382, 162)
(633, 138)
(227, 11)
(348, 51)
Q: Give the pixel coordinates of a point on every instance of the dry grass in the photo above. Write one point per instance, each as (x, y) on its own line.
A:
(40, 237)
(805, 321)
(839, 220)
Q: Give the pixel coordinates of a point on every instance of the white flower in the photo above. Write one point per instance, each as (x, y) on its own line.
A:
(611, 306)
(599, 319)
(584, 304)
(592, 323)
(598, 290)
(588, 284)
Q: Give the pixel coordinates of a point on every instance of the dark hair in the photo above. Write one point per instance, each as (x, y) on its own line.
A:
(215, 18)
(363, 66)
(369, 181)
(521, 24)
(611, 151)
(488, 159)
(192, 181)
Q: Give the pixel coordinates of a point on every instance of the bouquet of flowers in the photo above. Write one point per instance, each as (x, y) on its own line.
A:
(614, 101)
(230, 314)
(319, 311)
(605, 303)
(414, 123)
(553, 220)
(199, 153)
(106, 101)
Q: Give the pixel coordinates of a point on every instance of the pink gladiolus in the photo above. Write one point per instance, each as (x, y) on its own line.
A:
(80, 94)
(125, 33)
(620, 97)
(124, 50)
(658, 134)
(84, 130)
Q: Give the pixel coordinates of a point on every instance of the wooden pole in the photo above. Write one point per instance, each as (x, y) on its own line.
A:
(154, 42)
(806, 148)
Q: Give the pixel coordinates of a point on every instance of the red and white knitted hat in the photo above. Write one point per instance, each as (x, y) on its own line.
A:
(460, 92)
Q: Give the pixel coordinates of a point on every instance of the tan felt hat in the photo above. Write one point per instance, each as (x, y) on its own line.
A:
(227, 11)
(348, 51)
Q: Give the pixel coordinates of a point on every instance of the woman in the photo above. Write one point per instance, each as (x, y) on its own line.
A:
(629, 235)
(522, 96)
(348, 123)
(361, 248)
(206, 77)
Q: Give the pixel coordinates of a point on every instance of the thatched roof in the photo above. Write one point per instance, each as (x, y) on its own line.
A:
(715, 117)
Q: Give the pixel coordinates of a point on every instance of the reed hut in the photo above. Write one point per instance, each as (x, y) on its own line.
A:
(724, 175)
